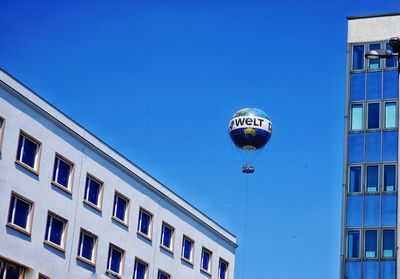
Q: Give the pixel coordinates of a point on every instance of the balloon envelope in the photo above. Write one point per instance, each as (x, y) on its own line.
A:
(250, 129)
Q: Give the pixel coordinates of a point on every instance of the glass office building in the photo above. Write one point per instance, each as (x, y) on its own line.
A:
(370, 200)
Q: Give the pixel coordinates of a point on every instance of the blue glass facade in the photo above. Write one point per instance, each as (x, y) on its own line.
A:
(370, 192)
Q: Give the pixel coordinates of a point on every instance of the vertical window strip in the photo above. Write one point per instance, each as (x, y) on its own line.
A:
(356, 117)
(390, 114)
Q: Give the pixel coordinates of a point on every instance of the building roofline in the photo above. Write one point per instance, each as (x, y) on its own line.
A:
(373, 15)
(71, 126)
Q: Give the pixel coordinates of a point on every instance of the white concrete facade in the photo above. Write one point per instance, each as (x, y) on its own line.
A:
(24, 110)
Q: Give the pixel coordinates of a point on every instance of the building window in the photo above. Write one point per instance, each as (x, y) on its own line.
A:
(28, 152)
(353, 244)
(374, 64)
(167, 237)
(87, 247)
(115, 260)
(358, 57)
(187, 249)
(93, 192)
(223, 269)
(373, 116)
(2, 124)
(356, 117)
(55, 231)
(120, 209)
(41, 276)
(163, 275)
(11, 270)
(371, 243)
(355, 179)
(206, 260)
(140, 271)
(389, 178)
(388, 243)
(62, 173)
(372, 179)
(390, 115)
(390, 62)
(20, 213)
(145, 222)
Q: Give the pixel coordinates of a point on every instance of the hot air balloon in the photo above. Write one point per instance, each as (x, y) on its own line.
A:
(250, 130)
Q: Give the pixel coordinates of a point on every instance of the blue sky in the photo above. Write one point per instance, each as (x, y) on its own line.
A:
(159, 80)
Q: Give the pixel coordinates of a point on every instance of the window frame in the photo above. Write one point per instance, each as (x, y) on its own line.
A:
(221, 260)
(394, 244)
(384, 116)
(379, 115)
(378, 180)
(27, 231)
(121, 264)
(150, 235)
(42, 276)
(67, 189)
(138, 260)
(64, 233)
(377, 256)
(191, 260)
(352, 58)
(360, 244)
(2, 128)
(86, 194)
(369, 60)
(383, 178)
(172, 241)
(362, 117)
(349, 178)
(127, 209)
(94, 251)
(208, 251)
(35, 169)
(162, 272)
(386, 44)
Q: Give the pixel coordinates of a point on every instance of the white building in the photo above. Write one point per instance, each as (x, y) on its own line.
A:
(72, 207)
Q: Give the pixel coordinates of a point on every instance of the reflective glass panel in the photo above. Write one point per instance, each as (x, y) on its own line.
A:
(86, 246)
(187, 249)
(373, 116)
(353, 244)
(388, 243)
(371, 241)
(61, 172)
(27, 150)
(358, 57)
(205, 260)
(166, 236)
(54, 230)
(355, 179)
(390, 115)
(120, 206)
(372, 178)
(356, 116)
(144, 222)
(374, 64)
(223, 270)
(389, 178)
(92, 191)
(140, 270)
(114, 259)
(390, 62)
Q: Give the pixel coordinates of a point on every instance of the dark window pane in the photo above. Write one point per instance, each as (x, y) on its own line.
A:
(388, 243)
(140, 270)
(144, 222)
(223, 268)
(389, 178)
(120, 207)
(162, 276)
(21, 213)
(63, 173)
(374, 64)
(92, 191)
(20, 144)
(87, 244)
(353, 244)
(355, 179)
(358, 57)
(372, 178)
(56, 231)
(373, 116)
(371, 244)
(187, 249)
(205, 261)
(166, 236)
(390, 62)
(28, 149)
(116, 257)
